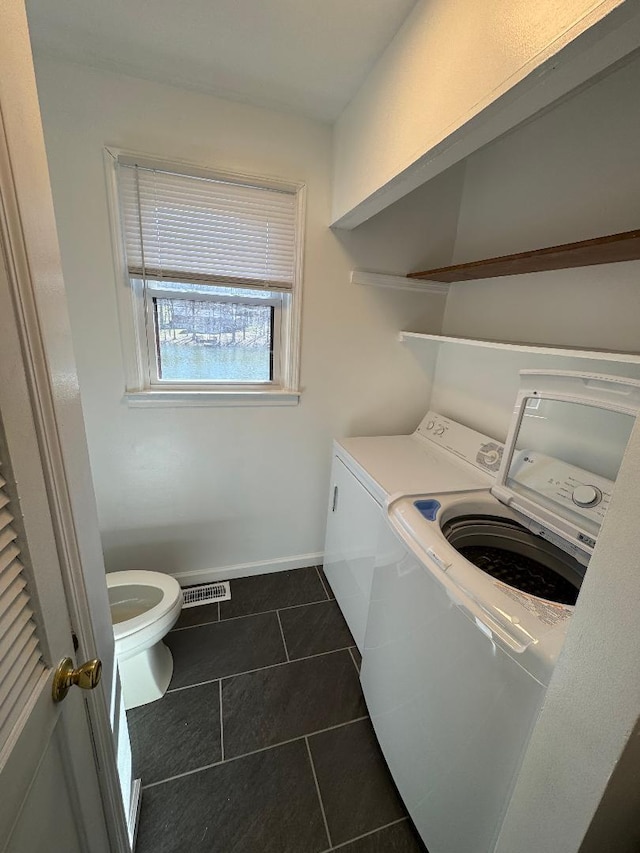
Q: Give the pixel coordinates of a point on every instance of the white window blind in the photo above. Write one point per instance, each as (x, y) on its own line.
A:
(200, 230)
(20, 660)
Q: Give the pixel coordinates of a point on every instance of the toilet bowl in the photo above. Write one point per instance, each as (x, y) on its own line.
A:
(144, 607)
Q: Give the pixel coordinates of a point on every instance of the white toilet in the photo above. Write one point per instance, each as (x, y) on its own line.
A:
(144, 607)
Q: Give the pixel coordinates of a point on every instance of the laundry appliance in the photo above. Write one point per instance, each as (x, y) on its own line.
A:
(472, 595)
(441, 455)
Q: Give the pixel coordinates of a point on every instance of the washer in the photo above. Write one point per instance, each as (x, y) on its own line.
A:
(367, 472)
(472, 595)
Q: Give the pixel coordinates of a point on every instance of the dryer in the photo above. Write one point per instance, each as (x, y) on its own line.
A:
(471, 599)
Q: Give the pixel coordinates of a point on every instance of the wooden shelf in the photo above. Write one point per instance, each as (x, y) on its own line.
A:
(538, 349)
(586, 253)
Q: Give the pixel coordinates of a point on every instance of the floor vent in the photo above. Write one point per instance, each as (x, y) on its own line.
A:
(205, 593)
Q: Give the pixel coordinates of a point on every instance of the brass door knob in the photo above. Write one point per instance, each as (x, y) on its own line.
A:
(86, 676)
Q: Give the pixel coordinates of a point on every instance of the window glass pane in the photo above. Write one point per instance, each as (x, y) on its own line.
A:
(221, 290)
(226, 341)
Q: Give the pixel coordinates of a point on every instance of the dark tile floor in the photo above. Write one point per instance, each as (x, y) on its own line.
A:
(262, 743)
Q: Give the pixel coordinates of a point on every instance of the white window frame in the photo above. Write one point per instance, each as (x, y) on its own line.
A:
(143, 387)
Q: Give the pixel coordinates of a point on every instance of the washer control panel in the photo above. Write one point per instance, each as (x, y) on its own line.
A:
(581, 491)
(480, 450)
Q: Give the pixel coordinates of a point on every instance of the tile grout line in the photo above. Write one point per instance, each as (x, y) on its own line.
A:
(221, 725)
(259, 669)
(248, 615)
(355, 662)
(365, 835)
(253, 752)
(284, 642)
(315, 779)
(324, 586)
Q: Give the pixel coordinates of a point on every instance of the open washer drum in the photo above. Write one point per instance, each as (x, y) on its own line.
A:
(513, 555)
(561, 459)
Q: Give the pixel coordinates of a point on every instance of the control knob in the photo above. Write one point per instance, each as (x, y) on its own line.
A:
(439, 431)
(491, 457)
(586, 496)
(431, 425)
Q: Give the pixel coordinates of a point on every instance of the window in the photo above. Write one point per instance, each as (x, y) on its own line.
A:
(210, 301)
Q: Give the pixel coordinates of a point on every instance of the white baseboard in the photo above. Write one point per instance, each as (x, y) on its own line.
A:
(244, 570)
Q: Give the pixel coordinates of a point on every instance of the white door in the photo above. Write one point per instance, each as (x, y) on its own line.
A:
(48, 782)
(59, 787)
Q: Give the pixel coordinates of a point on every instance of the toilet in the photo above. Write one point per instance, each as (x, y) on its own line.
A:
(144, 608)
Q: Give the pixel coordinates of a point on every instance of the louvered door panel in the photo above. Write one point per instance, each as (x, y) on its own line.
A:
(20, 658)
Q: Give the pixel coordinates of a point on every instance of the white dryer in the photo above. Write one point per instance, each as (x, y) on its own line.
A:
(471, 599)
(441, 455)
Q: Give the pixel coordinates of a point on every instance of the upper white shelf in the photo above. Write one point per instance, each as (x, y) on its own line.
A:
(601, 355)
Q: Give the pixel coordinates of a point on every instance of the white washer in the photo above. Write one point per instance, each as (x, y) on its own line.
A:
(441, 455)
(457, 660)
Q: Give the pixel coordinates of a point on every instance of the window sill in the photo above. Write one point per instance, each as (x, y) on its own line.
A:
(176, 399)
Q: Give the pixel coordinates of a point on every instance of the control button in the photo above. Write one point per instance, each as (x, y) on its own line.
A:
(586, 496)
(439, 431)
(431, 425)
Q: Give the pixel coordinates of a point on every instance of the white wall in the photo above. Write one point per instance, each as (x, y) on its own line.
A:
(456, 76)
(570, 174)
(188, 490)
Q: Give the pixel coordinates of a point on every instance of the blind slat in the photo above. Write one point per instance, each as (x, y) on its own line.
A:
(178, 277)
(179, 240)
(187, 228)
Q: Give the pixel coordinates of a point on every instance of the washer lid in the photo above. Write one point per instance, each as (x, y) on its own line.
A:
(564, 448)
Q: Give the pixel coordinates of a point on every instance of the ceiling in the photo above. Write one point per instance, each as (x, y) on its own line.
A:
(303, 56)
